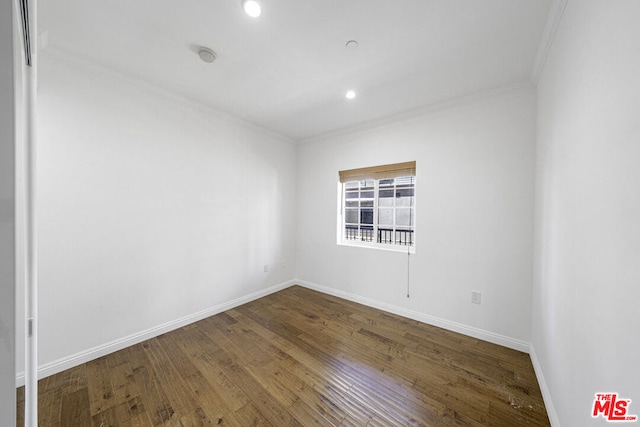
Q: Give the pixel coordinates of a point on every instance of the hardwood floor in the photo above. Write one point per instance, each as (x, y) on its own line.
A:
(298, 357)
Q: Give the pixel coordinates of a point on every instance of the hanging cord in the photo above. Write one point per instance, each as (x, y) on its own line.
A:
(408, 258)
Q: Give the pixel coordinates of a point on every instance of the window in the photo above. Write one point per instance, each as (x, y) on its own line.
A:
(378, 206)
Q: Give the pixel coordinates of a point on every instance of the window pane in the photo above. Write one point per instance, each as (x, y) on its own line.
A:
(393, 200)
(351, 216)
(351, 195)
(387, 201)
(366, 233)
(405, 180)
(366, 216)
(404, 192)
(404, 201)
(403, 217)
(385, 216)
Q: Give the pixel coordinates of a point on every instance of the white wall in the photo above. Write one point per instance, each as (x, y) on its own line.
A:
(7, 217)
(151, 209)
(474, 221)
(586, 322)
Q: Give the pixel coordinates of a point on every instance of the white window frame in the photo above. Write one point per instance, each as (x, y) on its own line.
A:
(342, 225)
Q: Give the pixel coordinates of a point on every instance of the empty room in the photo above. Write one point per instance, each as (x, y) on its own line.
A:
(336, 213)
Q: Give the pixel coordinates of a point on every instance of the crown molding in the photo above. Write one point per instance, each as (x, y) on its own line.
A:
(427, 110)
(554, 17)
(56, 54)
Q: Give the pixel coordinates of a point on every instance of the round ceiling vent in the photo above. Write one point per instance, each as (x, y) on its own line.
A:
(207, 55)
(352, 44)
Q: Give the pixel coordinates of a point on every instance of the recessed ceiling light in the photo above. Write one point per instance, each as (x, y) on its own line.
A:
(251, 8)
(350, 94)
(206, 54)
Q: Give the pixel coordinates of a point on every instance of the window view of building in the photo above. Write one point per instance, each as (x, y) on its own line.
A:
(378, 205)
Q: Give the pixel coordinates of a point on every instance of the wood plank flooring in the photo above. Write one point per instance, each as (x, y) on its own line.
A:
(298, 358)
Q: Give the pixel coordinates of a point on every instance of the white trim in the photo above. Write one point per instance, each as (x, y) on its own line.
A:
(31, 212)
(374, 244)
(390, 247)
(471, 331)
(554, 16)
(73, 360)
(425, 111)
(61, 55)
(79, 358)
(544, 389)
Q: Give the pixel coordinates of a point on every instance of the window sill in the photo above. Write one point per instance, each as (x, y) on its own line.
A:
(380, 246)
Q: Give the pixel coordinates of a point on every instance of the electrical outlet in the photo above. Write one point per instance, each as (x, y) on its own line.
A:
(476, 297)
(266, 268)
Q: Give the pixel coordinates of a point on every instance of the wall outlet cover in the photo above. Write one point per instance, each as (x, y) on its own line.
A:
(476, 297)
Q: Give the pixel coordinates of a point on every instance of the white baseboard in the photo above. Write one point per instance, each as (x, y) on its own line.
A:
(73, 360)
(489, 336)
(425, 318)
(79, 358)
(544, 388)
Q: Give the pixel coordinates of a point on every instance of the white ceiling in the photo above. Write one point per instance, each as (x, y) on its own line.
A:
(289, 69)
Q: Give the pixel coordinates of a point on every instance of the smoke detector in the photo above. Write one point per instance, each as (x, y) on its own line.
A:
(207, 55)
